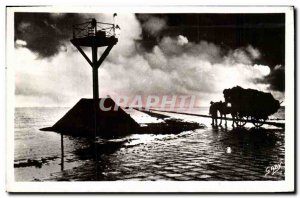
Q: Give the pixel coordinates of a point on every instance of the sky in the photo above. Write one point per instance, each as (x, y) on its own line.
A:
(157, 54)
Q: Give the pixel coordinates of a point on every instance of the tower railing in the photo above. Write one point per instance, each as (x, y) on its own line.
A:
(93, 28)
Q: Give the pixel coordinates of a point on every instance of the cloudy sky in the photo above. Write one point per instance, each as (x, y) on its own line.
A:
(157, 54)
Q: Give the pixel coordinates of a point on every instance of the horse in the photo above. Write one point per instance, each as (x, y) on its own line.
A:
(224, 109)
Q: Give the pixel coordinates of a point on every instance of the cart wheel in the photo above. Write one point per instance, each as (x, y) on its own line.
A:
(241, 121)
(258, 122)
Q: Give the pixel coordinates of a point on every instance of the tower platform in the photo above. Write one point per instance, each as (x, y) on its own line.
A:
(96, 41)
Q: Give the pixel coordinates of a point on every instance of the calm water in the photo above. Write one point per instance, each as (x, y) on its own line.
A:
(33, 144)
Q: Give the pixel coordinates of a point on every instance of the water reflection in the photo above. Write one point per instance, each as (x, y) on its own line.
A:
(224, 129)
(255, 146)
(220, 149)
(258, 137)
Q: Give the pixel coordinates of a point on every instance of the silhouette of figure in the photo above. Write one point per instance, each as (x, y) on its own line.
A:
(213, 111)
(225, 109)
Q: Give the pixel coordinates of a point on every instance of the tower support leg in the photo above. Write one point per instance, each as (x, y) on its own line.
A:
(96, 99)
(95, 84)
(95, 73)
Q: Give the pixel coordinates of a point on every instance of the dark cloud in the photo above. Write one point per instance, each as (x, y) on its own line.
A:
(45, 33)
(180, 53)
(265, 32)
(276, 79)
(152, 25)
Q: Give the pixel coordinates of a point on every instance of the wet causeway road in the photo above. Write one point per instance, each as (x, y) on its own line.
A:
(210, 154)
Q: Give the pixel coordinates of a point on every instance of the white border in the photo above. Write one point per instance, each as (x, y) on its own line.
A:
(158, 186)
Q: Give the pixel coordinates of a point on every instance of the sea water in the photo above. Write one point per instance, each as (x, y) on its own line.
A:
(33, 144)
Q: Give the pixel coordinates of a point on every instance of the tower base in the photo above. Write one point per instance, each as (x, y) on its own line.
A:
(80, 120)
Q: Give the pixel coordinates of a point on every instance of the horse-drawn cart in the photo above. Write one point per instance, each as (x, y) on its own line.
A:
(250, 105)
